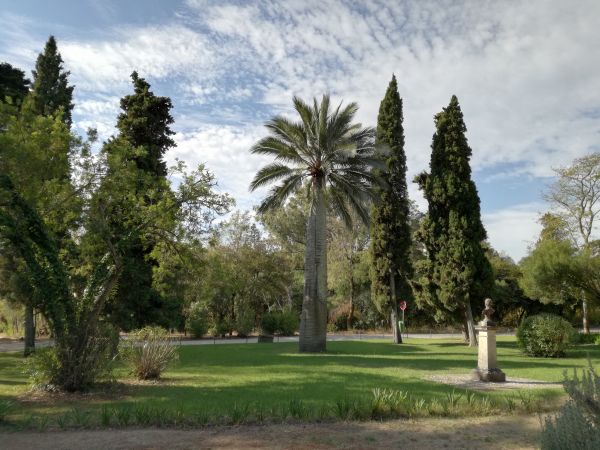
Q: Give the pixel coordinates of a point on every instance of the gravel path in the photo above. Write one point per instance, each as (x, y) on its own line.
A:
(465, 381)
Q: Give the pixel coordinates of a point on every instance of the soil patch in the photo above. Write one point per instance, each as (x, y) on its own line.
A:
(465, 381)
(504, 432)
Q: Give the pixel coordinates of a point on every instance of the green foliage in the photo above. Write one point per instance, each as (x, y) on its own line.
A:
(244, 321)
(583, 338)
(545, 335)
(14, 87)
(5, 408)
(390, 229)
(457, 270)
(196, 322)
(51, 92)
(148, 352)
(268, 324)
(577, 425)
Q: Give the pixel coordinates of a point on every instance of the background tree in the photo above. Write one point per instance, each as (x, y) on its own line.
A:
(390, 229)
(334, 157)
(13, 84)
(576, 197)
(457, 271)
(50, 89)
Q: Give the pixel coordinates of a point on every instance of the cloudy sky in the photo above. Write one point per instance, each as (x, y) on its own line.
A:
(527, 75)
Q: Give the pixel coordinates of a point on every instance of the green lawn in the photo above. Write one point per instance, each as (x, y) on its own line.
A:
(217, 377)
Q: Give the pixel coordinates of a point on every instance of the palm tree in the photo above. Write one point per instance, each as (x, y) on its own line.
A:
(331, 157)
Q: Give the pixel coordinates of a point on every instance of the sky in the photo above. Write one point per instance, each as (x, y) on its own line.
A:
(527, 76)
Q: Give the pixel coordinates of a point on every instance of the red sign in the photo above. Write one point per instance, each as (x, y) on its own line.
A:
(402, 305)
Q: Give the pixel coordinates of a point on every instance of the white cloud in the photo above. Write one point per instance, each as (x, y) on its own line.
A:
(513, 230)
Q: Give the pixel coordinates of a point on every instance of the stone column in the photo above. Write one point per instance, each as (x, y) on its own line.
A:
(487, 365)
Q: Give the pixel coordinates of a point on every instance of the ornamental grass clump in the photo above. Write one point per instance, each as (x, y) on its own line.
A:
(149, 351)
(546, 335)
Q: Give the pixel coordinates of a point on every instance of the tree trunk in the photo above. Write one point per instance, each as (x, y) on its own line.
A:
(584, 313)
(351, 314)
(29, 331)
(470, 325)
(313, 320)
(394, 314)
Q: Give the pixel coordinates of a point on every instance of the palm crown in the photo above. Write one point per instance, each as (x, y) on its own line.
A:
(324, 148)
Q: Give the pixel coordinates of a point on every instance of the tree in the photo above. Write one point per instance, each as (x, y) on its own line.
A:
(50, 90)
(334, 157)
(390, 229)
(576, 197)
(35, 152)
(13, 84)
(457, 270)
(144, 137)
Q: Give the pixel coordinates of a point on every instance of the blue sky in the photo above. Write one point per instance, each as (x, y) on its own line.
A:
(527, 75)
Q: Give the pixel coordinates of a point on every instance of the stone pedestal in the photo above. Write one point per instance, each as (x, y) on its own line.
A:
(487, 366)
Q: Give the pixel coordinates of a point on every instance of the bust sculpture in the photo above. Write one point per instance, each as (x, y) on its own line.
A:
(487, 314)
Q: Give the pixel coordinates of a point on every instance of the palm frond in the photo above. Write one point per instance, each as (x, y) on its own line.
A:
(271, 173)
(279, 194)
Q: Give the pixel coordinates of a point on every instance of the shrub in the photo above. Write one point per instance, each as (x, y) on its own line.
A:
(546, 335)
(598, 339)
(244, 322)
(284, 323)
(287, 323)
(341, 322)
(577, 424)
(196, 322)
(581, 338)
(149, 351)
(268, 323)
(46, 369)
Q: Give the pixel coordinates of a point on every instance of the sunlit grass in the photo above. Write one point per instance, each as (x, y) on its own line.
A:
(218, 378)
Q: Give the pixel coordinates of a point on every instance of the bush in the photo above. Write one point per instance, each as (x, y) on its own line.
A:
(598, 339)
(149, 351)
(244, 322)
(47, 371)
(196, 322)
(288, 323)
(341, 322)
(546, 335)
(581, 338)
(284, 323)
(577, 425)
(268, 323)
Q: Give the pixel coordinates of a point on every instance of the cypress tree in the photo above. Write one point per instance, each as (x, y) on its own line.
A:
(391, 267)
(51, 90)
(13, 84)
(457, 271)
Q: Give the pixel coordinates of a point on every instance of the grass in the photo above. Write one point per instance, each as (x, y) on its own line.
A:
(259, 381)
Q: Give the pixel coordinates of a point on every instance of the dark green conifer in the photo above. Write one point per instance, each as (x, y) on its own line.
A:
(13, 84)
(457, 271)
(391, 267)
(51, 90)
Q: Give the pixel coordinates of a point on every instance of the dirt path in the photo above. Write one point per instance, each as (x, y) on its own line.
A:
(511, 432)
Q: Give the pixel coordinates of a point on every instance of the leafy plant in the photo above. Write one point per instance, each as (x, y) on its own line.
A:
(5, 407)
(149, 351)
(546, 335)
(196, 322)
(577, 425)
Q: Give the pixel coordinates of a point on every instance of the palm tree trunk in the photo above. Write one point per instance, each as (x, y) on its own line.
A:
(584, 313)
(313, 321)
(29, 331)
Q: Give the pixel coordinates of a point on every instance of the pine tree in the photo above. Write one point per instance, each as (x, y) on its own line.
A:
(13, 84)
(145, 122)
(51, 90)
(457, 271)
(390, 230)
(144, 137)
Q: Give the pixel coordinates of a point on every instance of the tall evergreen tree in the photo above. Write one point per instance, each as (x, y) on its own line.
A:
(13, 84)
(391, 269)
(51, 90)
(457, 271)
(144, 137)
(145, 122)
